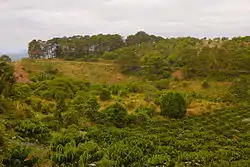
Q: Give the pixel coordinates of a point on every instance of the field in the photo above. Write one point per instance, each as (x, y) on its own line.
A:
(72, 113)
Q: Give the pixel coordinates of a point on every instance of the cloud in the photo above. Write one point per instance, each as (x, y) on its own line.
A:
(22, 21)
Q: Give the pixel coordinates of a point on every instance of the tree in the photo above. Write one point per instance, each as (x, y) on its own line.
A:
(173, 105)
(138, 38)
(114, 114)
(5, 58)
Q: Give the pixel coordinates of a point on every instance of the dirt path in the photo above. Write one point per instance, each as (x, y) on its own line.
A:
(21, 75)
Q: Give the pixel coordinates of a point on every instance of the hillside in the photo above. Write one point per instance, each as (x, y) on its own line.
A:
(144, 102)
(154, 57)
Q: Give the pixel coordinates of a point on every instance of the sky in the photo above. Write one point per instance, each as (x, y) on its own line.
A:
(24, 20)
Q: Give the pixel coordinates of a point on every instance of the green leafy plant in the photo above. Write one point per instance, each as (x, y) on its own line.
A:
(114, 114)
(34, 130)
(105, 95)
(21, 91)
(173, 105)
(20, 156)
(85, 105)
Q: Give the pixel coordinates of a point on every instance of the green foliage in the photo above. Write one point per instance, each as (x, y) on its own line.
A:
(162, 84)
(5, 58)
(240, 90)
(70, 117)
(134, 87)
(173, 105)
(105, 95)
(114, 114)
(7, 78)
(73, 147)
(159, 160)
(146, 110)
(18, 157)
(85, 105)
(2, 140)
(21, 91)
(34, 130)
(48, 74)
(57, 89)
(115, 89)
(42, 106)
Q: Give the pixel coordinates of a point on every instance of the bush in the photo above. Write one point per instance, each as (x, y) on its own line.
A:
(162, 84)
(115, 89)
(240, 90)
(19, 156)
(70, 117)
(105, 95)
(114, 114)
(21, 91)
(86, 105)
(173, 105)
(146, 110)
(42, 106)
(134, 87)
(57, 89)
(73, 147)
(34, 130)
(123, 93)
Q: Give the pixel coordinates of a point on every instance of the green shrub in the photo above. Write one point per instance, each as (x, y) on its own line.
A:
(105, 95)
(123, 93)
(114, 89)
(159, 160)
(173, 105)
(21, 91)
(162, 84)
(51, 70)
(73, 147)
(134, 87)
(146, 110)
(19, 156)
(240, 90)
(40, 105)
(70, 117)
(57, 89)
(85, 105)
(34, 130)
(114, 114)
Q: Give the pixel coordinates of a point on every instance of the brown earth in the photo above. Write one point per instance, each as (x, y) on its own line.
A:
(20, 74)
(178, 74)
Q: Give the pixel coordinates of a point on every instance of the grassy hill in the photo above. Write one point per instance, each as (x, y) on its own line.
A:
(160, 103)
(96, 72)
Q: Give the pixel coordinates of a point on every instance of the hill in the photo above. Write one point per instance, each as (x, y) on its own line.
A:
(154, 57)
(146, 101)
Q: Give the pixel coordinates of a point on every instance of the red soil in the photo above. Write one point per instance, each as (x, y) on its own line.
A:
(21, 75)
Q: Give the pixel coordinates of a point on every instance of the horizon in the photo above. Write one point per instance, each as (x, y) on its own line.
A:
(25, 50)
(23, 21)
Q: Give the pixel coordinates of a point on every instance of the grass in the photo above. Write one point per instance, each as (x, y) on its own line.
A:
(107, 72)
(95, 72)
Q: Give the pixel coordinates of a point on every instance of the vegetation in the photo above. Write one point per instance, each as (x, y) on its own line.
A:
(173, 105)
(144, 101)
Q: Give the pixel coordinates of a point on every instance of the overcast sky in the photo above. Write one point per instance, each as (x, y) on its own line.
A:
(24, 20)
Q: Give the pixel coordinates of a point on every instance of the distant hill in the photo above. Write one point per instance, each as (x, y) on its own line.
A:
(18, 55)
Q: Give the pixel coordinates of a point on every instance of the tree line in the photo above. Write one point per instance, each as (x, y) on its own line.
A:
(152, 56)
